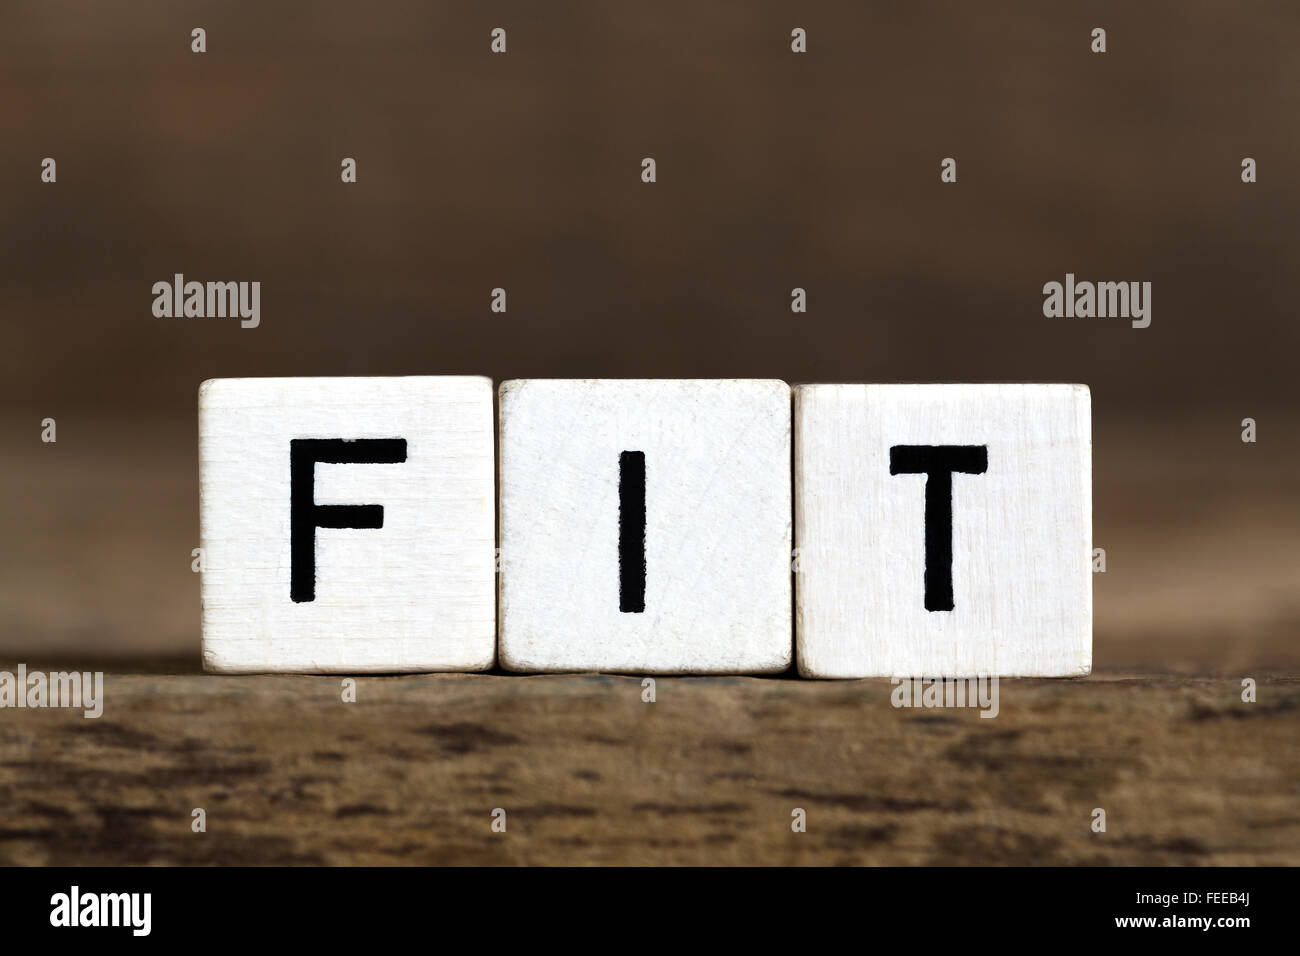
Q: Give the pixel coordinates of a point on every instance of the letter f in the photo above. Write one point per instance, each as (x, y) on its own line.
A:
(305, 516)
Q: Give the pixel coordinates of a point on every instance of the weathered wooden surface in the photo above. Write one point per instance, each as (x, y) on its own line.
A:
(709, 773)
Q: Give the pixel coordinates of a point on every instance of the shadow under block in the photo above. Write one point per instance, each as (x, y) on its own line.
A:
(943, 530)
(347, 524)
(645, 526)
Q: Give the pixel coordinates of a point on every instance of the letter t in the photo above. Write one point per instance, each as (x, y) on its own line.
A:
(938, 463)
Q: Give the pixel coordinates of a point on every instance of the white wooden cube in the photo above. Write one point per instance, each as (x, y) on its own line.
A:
(943, 530)
(347, 524)
(645, 526)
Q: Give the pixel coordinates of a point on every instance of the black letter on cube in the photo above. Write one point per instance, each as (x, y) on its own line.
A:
(631, 532)
(305, 516)
(938, 463)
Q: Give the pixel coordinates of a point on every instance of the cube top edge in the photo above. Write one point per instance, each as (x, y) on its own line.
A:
(1075, 386)
(218, 385)
(513, 384)
(1079, 394)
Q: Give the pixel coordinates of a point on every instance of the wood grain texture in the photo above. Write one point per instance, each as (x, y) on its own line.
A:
(717, 525)
(1021, 532)
(707, 774)
(417, 594)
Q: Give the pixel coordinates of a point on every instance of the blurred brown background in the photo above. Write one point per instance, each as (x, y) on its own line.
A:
(775, 170)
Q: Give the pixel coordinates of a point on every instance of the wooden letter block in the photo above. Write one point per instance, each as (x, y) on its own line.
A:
(347, 524)
(943, 530)
(645, 526)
